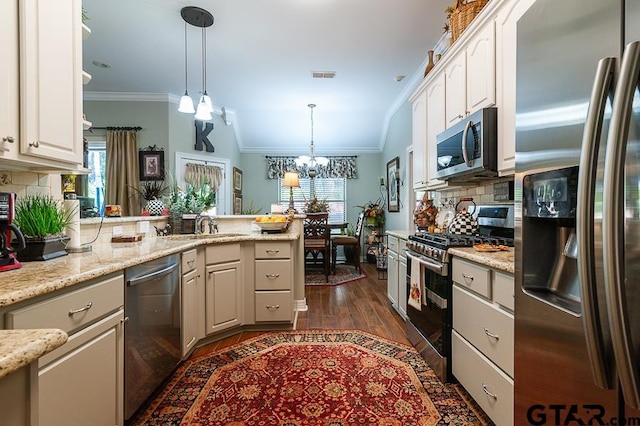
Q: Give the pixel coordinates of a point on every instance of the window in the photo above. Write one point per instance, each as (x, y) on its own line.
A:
(332, 190)
(96, 163)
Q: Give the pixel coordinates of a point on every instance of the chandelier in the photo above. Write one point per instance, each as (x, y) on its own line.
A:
(202, 19)
(311, 161)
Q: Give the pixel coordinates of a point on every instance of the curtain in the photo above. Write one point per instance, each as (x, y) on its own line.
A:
(197, 174)
(122, 170)
(338, 167)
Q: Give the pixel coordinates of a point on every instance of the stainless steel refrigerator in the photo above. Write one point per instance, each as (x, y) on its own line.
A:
(577, 273)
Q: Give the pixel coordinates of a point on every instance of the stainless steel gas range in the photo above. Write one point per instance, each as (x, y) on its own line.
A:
(429, 286)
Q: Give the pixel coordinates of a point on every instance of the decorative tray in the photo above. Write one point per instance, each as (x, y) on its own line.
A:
(490, 247)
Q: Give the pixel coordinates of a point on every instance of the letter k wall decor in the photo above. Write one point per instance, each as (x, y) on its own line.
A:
(202, 132)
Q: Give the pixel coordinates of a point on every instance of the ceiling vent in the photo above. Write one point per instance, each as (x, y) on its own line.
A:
(323, 74)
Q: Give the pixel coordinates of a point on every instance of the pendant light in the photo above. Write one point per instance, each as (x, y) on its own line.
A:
(186, 103)
(311, 161)
(200, 18)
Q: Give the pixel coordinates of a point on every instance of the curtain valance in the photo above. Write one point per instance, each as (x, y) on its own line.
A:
(197, 174)
(338, 167)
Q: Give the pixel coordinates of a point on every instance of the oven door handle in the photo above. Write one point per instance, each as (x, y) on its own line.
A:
(432, 266)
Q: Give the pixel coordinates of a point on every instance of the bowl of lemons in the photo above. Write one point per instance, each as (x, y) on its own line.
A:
(272, 223)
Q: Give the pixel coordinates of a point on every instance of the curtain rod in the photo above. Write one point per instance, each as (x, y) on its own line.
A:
(136, 128)
(294, 156)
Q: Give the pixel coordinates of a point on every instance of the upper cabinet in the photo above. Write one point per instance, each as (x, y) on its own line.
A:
(419, 139)
(477, 71)
(44, 70)
(506, 34)
(471, 77)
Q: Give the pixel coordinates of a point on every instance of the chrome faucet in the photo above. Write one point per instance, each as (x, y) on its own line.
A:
(213, 225)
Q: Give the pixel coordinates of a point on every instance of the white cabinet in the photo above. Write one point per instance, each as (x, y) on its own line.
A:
(192, 299)
(47, 37)
(483, 336)
(471, 77)
(419, 140)
(68, 377)
(397, 274)
(436, 124)
(224, 285)
(506, 40)
(273, 281)
(9, 125)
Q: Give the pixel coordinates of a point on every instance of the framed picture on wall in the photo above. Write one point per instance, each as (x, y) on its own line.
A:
(151, 165)
(393, 185)
(237, 180)
(237, 203)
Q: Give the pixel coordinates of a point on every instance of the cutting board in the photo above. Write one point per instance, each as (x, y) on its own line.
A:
(126, 238)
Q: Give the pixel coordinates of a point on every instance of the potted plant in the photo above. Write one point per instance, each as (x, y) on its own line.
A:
(42, 220)
(151, 191)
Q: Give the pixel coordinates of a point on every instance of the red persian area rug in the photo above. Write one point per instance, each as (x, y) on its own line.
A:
(343, 274)
(316, 377)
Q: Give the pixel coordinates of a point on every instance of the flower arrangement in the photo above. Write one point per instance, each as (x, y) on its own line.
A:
(313, 205)
(373, 213)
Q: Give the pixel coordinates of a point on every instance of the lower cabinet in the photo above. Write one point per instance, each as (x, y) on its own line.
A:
(192, 299)
(483, 337)
(82, 381)
(397, 274)
(273, 282)
(223, 288)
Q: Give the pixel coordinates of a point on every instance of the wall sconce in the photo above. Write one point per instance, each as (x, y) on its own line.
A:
(396, 175)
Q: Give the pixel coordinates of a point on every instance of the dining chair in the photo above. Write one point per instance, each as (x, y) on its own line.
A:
(317, 241)
(348, 241)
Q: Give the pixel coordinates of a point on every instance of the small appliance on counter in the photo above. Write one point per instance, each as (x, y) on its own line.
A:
(8, 260)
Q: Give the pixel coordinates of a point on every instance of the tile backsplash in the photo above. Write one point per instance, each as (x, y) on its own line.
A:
(27, 183)
(481, 194)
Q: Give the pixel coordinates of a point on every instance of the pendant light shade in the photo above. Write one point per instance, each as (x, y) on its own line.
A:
(200, 18)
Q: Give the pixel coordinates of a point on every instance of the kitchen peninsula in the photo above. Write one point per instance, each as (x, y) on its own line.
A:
(81, 297)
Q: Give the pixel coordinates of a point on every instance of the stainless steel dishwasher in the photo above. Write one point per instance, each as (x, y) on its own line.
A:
(152, 331)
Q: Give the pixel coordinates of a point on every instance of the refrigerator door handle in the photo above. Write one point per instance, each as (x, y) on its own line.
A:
(602, 90)
(613, 224)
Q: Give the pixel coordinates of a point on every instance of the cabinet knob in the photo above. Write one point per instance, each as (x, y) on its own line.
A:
(460, 116)
(9, 139)
(35, 144)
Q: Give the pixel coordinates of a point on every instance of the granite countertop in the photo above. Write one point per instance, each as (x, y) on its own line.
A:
(500, 260)
(38, 278)
(19, 348)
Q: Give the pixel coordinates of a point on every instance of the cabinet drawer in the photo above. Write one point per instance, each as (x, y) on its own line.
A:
(474, 277)
(482, 380)
(273, 274)
(273, 250)
(478, 320)
(274, 306)
(189, 261)
(222, 253)
(392, 243)
(88, 303)
(503, 290)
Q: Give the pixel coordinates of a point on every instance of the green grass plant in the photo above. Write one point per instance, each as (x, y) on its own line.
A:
(39, 216)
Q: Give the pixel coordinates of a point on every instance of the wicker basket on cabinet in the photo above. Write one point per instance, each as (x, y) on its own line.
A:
(461, 15)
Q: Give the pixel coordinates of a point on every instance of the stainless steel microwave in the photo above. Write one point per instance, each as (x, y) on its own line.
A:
(467, 151)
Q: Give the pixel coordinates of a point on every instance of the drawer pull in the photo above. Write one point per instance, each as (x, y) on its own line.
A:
(273, 251)
(272, 275)
(467, 278)
(492, 395)
(190, 262)
(273, 307)
(490, 334)
(77, 311)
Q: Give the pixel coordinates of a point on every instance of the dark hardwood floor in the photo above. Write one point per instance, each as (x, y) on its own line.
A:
(361, 305)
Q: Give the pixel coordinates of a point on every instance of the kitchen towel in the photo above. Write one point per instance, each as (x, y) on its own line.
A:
(415, 292)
